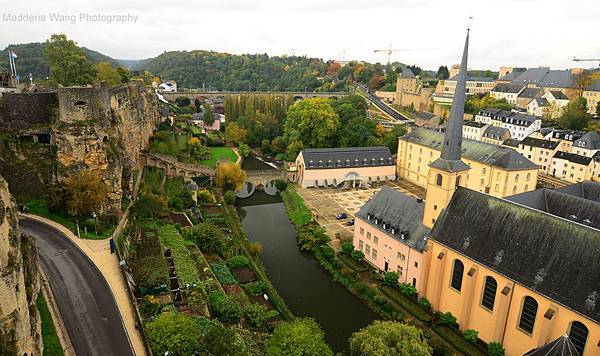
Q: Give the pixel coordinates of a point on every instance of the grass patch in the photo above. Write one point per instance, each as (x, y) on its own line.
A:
(184, 262)
(217, 153)
(173, 187)
(406, 303)
(39, 207)
(52, 346)
(294, 204)
(223, 273)
(455, 338)
(153, 179)
(356, 266)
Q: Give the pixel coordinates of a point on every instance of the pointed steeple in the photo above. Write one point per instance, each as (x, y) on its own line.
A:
(451, 149)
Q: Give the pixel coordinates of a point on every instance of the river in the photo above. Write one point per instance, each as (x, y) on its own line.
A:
(306, 287)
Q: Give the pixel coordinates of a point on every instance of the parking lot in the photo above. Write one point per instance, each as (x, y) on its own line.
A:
(326, 203)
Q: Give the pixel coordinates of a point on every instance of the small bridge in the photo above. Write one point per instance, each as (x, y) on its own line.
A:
(173, 167)
(262, 177)
(170, 96)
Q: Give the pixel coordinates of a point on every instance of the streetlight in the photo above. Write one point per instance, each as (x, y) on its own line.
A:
(95, 216)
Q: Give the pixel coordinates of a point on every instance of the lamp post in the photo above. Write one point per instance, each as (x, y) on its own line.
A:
(95, 216)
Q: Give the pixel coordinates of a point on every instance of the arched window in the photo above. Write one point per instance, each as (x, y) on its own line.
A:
(457, 275)
(578, 335)
(438, 179)
(528, 314)
(528, 176)
(515, 189)
(526, 187)
(516, 178)
(489, 293)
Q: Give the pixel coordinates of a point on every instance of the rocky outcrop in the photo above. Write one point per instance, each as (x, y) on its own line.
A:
(20, 327)
(93, 127)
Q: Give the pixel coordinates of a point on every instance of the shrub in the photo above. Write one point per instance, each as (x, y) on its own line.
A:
(265, 145)
(204, 196)
(225, 308)
(208, 237)
(328, 252)
(424, 303)
(407, 289)
(448, 319)
(280, 156)
(390, 279)
(229, 197)
(495, 349)
(223, 273)
(470, 335)
(347, 248)
(257, 287)
(150, 306)
(281, 185)
(357, 255)
(255, 248)
(182, 101)
(257, 315)
(175, 332)
(149, 206)
(238, 262)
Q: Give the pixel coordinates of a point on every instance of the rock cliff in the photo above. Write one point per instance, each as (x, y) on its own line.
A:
(20, 326)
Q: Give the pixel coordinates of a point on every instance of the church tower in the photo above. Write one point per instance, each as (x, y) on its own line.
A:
(448, 172)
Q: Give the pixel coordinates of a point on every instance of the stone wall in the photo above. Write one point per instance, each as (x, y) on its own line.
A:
(20, 325)
(97, 127)
(21, 110)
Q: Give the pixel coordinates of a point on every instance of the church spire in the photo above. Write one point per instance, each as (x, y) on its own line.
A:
(452, 145)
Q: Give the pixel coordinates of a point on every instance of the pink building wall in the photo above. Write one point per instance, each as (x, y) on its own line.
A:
(400, 257)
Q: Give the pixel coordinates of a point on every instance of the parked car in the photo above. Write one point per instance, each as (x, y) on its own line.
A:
(341, 216)
(350, 222)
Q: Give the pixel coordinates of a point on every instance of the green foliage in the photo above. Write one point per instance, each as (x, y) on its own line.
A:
(406, 303)
(328, 252)
(470, 335)
(208, 114)
(225, 307)
(229, 197)
(443, 73)
(234, 134)
(281, 184)
(477, 102)
(448, 319)
(223, 273)
(185, 265)
(52, 346)
(278, 145)
(495, 349)
(576, 116)
(302, 336)
(208, 237)
(149, 206)
(85, 193)
(424, 303)
(347, 248)
(150, 271)
(150, 306)
(182, 101)
(407, 289)
(296, 210)
(69, 64)
(177, 333)
(220, 340)
(256, 287)
(219, 153)
(203, 196)
(243, 150)
(238, 262)
(257, 315)
(292, 150)
(265, 145)
(391, 138)
(106, 72)
(310, 237)
(230, 176)
(390, 279)
(312, 122)
(357, 255)
(389, 338)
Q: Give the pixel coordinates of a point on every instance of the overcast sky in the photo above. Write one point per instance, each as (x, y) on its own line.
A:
(504, 32)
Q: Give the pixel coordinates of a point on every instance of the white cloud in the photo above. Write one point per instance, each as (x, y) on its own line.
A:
(513, 32)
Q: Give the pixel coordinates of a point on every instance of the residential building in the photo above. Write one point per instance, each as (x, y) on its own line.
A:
(528, 94)
(587, 145)
(475, 85)
(495, 135)
(507, 91)
(539, 151)
(596, 175)
(473, 130)
(518, 124)
(198, 120)
(572, 167)
(566, 137)
(349, 166)
(538, 106)
(168, 86)
(426, 119)
(542, 77)
(592, 95)
(388, 229)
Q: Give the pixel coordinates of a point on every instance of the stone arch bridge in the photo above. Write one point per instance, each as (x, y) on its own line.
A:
(170, 96)
(173, 167)
(262, 177)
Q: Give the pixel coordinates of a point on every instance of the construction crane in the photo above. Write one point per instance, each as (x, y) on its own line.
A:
(586, 60)
(389, 51)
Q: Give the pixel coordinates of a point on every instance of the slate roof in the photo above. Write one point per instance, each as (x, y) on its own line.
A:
(531, 93)
(556, 257)
(472, 78)
(489, 112)
(327, 158)
(595, 86)
(559, 347)
(398, 210)
(511, 142)
(586, 190)
(474, 124)
(508, 87)
(570, 135)
(558, 95)
(541, 102)
(572, 157)
(407, 73)
(495, 132)
(425, 115)
(486, 153)
(540, 142)
(590, 140)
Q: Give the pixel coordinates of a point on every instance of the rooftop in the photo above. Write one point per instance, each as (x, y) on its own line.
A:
(325, 158)
(530, 93)
(472, 78)
(495, 132)
(539, 142)
(563, 346)
(558, 95)
(554, 256)
(508, 87)
(474, 124)
(477, 151)
(590, 140)
(399, 211)
(511, 142)
(572, 157)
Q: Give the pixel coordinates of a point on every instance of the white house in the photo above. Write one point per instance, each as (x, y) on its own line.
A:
(168, 86)
(507, 91)
(474, 130)
(538, 106)
(518, 124)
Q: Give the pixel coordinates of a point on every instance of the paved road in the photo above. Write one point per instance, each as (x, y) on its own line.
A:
(82, 294)
(384, 107)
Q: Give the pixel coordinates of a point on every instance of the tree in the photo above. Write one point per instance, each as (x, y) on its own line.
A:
(443, 73)
(225, 307)
(415, 69)
(576, 116)
(229, 197)
(148, 206)
(584, 79)
(302, 336)
(265, 145)
(376, 82)
(106, 72)
(177, 333)
(234, 134)
(208, 114)
(208, 237)
(347, 248)
(257, 315)
(124, 74)
(183, 101)
(243, 150)
(204, 196)
(390, 279)
(598, 108)
(197, 150)
(220, 340)
(85, 193)
(68, 63)
(357, 255)
(292, 150)
(278, 145)
(197, 105)
(230, 176)
(389, 338)
(357, 132)
(311, 122)
(391, 138)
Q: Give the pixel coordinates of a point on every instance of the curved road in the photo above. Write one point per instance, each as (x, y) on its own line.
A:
(84, 299)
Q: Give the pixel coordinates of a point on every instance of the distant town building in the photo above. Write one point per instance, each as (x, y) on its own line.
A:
(539, 151)
(526, 95)
(518, 124)
(168, 86)
(592, 94)
(572, 167)
(473, 130)
(495, 135)
(350, 166)
(507, 91)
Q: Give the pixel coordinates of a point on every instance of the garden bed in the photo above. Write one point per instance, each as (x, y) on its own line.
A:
(411, 306)
(353, 264)
(185, 265)
(244, 274)
(455, 337)
(179, 218)
(260, 299)
(223, 273)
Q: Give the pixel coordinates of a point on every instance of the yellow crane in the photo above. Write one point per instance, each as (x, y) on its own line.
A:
(586, 60)
(389, 51)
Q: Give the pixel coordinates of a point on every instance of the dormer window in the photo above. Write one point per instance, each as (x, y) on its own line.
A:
(368, 216)
(393, 231)
(384, 225)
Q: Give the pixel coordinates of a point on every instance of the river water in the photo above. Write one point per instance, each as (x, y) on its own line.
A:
(306, 287)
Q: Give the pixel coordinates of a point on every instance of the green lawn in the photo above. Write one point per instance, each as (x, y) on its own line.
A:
(39, 207)
(296, 210)
(218, 153)
(52, 346)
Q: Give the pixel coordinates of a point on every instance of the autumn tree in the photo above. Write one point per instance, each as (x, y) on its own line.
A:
(197, 150)
(312, 122)
(302, 336)
(106, 72)
(68, 63)
(584, 79)
(389, 338)
(85, 193)
(230, 176)
(234, 134)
